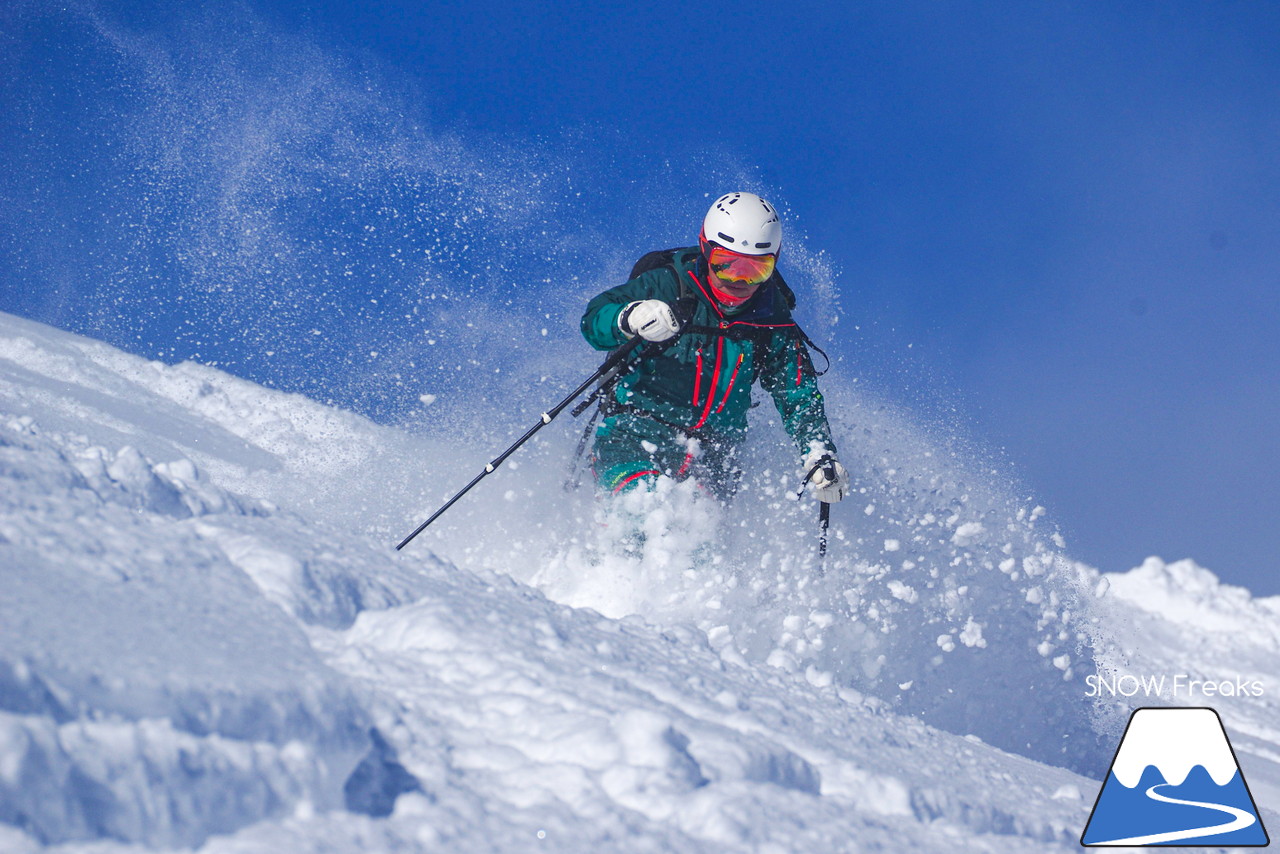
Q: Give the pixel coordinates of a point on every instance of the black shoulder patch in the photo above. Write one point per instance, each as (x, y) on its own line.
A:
(652, 261)
(663, 258)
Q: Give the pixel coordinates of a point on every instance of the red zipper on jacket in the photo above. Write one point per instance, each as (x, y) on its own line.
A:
(715, 383)
(733, 376)
(715, 376)
(697, 380)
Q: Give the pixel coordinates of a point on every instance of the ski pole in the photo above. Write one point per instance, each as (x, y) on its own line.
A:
(608, 380)
(684, 314)
(824, 511)
(824, 522)
(616, 358)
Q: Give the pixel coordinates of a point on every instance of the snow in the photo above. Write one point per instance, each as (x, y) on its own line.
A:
(207, 641)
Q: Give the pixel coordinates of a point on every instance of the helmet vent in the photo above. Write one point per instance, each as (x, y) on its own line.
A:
(723, 236)
(763, 245)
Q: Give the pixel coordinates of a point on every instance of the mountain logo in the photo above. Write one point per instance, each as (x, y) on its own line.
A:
(1175, 781)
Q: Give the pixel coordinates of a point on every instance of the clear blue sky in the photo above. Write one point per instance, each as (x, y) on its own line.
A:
(1069, 211)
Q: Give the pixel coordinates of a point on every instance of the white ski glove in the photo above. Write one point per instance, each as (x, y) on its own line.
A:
(651, 319)
(827, 479)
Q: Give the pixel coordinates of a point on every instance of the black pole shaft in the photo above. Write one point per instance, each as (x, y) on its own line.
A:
(616, 358)
(824, 512)
(824, 522)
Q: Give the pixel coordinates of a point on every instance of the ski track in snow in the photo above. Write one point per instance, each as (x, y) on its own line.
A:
(207, 642)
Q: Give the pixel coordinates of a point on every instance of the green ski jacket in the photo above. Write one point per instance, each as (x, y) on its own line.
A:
(701, 383)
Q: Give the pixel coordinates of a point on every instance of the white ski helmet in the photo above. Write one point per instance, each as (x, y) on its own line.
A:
(745, 223)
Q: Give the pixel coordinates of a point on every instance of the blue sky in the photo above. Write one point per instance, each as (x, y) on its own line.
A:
(1056, 221)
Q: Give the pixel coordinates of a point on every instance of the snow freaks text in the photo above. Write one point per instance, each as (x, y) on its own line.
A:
(1178, 685)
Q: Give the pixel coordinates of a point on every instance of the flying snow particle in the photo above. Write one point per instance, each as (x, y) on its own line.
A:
(972, 635)
(967, 533)
(902, 591)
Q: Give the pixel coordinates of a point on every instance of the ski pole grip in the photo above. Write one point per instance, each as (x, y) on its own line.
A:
(826, 465)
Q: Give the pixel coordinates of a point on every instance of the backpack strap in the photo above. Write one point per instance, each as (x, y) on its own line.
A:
(808, 342)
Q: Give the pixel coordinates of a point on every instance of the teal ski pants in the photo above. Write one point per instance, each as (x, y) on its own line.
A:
(632, 449)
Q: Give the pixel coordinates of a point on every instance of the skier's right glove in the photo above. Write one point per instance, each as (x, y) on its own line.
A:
(651, 319)
(825, 479)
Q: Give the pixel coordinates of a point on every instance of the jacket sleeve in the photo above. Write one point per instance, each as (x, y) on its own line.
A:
(600, 322)
(789, 377)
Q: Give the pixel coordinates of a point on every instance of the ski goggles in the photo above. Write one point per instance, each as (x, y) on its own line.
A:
(730, 266)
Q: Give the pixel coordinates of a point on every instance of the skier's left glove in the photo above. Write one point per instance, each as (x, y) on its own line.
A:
(825, 479)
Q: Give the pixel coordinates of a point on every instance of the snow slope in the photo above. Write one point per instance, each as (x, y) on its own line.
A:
(207, 642)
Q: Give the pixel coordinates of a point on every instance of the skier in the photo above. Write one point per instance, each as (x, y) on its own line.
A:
(721, 314)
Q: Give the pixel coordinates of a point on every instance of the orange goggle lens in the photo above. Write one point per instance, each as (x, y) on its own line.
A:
(731, 266)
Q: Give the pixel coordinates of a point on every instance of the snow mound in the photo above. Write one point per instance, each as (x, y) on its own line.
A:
(1185, 593)
(156, 679)
(145, 675)
(248, 438)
